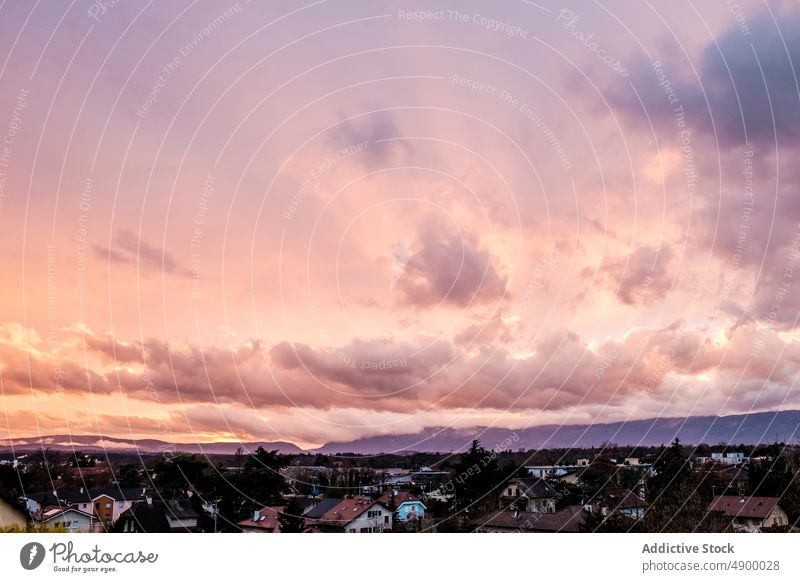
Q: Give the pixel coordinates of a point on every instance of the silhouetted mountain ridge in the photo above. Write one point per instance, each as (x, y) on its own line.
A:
(754, 428)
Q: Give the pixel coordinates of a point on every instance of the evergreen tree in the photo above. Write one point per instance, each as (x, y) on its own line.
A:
(291, 517)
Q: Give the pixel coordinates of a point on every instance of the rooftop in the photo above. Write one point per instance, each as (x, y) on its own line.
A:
(736, 506)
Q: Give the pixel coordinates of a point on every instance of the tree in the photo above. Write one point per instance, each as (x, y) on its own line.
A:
(178, 475)
(391, 505)
(775, 478)
(128, 476)
(261, 480)
(672, 469)
(476, 479)
(10, 484)
(44, 468)
(291, 517)
(679, 499)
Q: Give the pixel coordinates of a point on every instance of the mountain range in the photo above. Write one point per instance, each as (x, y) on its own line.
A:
(94, 443)
(754, 428)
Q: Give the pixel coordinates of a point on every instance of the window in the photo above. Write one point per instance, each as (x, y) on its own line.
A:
(120, 505)
(352, 530)
(75, 524)
(386, 519)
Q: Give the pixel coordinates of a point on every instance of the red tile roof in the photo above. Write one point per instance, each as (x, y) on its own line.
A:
(736, 506)
(268, 520)
(623, 499)
(347, 510)
(568, 519)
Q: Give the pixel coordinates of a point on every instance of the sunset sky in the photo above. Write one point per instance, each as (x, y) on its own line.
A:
(317, 221)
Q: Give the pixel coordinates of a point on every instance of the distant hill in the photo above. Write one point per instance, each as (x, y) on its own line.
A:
(762, 427)
(92, 443)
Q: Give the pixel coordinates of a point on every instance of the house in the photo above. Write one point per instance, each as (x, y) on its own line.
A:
(427, 478)
(264, 520)
(735, 478)
(567, 520)
(98, 476)
(12, 515)
(723, 459)
(398, 481)
(526, 494)
(105, 505)
(409, 507)
(750, 514)
(440, 494)
(68, 518)
(321, 508)
(622, 501)
(351, 515)
(572, 478)
(34, 502)
(109, 504)
(158, 516)
(545, 471)
(307, 502)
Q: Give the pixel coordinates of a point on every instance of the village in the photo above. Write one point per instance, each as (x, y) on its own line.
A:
(666, 489)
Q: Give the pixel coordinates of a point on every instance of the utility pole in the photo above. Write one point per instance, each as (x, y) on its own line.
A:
(216, 511)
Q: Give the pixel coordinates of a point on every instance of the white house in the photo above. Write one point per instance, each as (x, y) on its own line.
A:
(352, 515)
(69, 518)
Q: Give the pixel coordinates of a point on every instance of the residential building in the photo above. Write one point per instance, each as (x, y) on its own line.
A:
(351, 515)
(158, 516)
(264, 520)
(428, 479)
(105, 505)
(526, 494)
(321, 508)
(68, 518)
(545, 471)
(409, 507)
(567, 520)
(110, 504)
(723, 459)
(734, 478)
(621, 501)
(750, 514)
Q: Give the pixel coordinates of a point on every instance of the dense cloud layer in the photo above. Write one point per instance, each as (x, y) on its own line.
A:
(563, 371)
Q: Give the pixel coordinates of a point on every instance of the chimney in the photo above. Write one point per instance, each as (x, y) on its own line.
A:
(256, 515)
